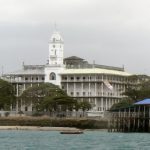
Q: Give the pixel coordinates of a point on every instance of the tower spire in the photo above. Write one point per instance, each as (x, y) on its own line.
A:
(55, 26)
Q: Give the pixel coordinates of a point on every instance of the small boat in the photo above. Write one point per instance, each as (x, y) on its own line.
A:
(71, 132)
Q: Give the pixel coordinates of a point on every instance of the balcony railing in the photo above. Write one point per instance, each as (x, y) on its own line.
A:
(24, 81)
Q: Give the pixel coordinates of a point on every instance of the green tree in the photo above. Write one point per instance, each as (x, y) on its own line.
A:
(125, 102)
(7, 95)
(85, 106)
(47, 97)
(77, 106)
(138, 88)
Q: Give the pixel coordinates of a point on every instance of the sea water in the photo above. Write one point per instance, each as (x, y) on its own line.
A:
(90, 140)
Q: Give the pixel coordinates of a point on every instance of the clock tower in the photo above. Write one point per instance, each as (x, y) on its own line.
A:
(55, 60)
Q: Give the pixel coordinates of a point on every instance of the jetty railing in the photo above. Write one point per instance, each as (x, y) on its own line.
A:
(135, 118)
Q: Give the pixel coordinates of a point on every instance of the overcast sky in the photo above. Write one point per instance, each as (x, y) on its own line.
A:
(111, 32)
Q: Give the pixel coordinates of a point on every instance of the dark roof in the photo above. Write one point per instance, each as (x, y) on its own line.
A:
(73, 58)
(109, 67)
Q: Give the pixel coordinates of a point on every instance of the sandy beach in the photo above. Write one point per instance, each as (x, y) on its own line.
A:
(35, 128)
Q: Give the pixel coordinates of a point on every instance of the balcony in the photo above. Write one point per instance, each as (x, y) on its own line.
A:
(25, 81)
(81, 80)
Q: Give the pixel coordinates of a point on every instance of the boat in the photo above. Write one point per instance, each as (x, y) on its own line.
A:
(71, 132)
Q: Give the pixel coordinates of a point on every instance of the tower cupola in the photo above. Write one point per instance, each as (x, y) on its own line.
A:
(56, 48)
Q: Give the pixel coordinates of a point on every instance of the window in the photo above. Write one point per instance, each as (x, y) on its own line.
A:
(64, 78)
(52, 76)
(54, 39)
(26, 78)
(43, 78)
(78, 78)
(26, 108)
(53, 46)
(89, 93)
(72, 78)
(71, 93)
(77, 93)
(37, 78)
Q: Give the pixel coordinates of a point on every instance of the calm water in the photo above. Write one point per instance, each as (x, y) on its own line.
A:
(90, 140)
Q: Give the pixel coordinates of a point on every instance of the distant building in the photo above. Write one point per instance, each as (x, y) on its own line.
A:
(101, 85)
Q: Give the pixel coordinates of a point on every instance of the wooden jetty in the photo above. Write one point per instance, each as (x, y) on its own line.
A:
(135, 118)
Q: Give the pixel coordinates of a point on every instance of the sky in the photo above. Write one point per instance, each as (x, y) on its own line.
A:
(109, 32)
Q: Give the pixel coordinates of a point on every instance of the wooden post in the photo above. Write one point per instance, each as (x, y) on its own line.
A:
(144, 120)
(119, 123)
(124, 116)
(129, 117)
(138, 119)
(149, 118)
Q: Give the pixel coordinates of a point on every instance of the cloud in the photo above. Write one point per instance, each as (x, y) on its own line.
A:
(109, 32)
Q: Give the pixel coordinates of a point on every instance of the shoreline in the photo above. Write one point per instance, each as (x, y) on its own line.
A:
(37, 128)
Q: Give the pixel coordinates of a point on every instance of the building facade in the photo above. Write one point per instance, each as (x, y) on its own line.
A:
(101, 85)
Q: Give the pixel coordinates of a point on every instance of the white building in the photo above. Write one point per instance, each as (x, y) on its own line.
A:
(101, 85)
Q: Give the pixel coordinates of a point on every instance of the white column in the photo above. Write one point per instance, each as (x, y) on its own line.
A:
(17, 105)
(82, 88)
(74, 92)
(17, 90)
(24, 86)
(67, 86)
(67, 89)
(102, 104)
(95, 89)
(89, 86)
(109, 103)
(106, 105)
(96, 94)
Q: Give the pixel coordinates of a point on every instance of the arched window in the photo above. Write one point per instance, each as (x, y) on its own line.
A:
(52, 76)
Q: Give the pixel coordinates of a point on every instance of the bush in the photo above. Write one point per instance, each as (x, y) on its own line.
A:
(48, 122)
(37, 114)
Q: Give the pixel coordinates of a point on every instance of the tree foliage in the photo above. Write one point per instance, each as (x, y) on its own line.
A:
(85, 105)
(42, 90)
(7, 95)
(125, 102)
(45, 96)
(138, 88)
(49, 97)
